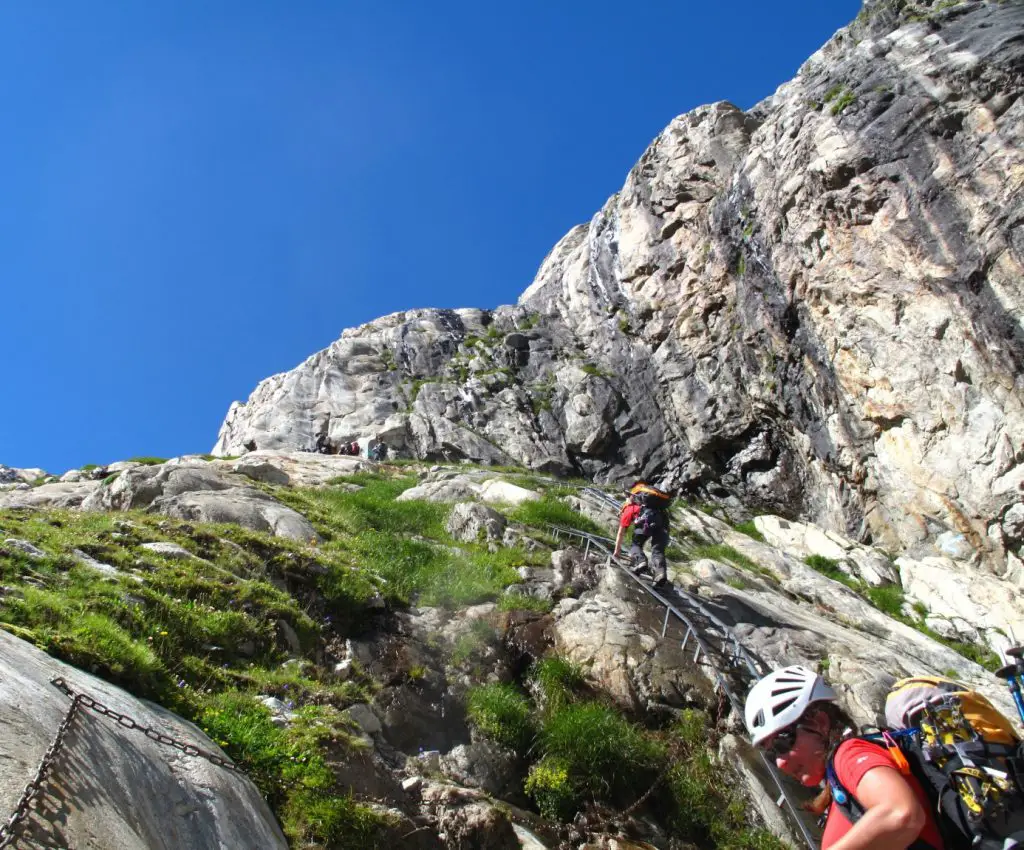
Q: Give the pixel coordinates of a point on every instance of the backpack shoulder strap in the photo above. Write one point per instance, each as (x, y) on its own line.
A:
(844, 799)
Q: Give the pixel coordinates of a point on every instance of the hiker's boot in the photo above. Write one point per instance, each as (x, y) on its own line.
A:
(662, 583)
(640, 568)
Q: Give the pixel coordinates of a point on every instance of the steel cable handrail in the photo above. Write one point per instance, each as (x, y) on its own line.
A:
(729, 638)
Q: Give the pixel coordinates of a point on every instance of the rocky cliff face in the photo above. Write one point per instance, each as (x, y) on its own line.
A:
(336, 625)
(811, 308)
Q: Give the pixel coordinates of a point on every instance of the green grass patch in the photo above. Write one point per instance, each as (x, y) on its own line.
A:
(605, 755)
(470, 642)
(842, 101)
(289, 768)
(887, 598)
(201, 637)
(724, 552)
(595, 371)
(549, 510)
(700, 797)
(502, 713)
(148, 460)
(521, 602)
(830, 568)
(748, 528)
(558, 680)
(371, 508)
(430, 574)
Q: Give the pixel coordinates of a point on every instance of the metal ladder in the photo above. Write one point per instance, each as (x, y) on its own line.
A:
(712, 638)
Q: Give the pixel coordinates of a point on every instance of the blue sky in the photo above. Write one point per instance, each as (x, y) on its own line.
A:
(198, 194)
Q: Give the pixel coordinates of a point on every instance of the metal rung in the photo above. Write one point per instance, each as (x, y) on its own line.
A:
(664, 626)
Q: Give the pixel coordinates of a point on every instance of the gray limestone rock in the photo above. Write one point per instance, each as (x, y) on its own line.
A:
(57, 495)
(475, 523)
(25, 547)
(811, 309)
(92, 563)
(457, 489)
(1013, 523)
(114, 782)
(262, 471)
(201, 493)
(482, 764)
(168, 550)
(466, 820)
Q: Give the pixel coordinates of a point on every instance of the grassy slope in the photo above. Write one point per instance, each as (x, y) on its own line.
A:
(203, 636)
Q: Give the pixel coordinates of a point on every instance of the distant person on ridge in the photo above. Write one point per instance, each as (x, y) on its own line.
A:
(646, 510)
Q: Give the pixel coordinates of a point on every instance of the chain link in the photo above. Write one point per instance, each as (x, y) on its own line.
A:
(126, 722)
(79, 701)
(34, 788)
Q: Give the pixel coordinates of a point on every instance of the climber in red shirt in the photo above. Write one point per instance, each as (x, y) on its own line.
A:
(791, 714)
(649, 524)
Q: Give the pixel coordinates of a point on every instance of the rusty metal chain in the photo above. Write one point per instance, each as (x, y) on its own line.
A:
(126, 722)
(79, 702)
(8, 830)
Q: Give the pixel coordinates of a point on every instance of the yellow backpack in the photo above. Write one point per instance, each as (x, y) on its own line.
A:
(651, 497)
(946, 712)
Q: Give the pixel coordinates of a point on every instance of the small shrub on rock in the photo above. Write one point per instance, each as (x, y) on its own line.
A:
(606, 755)
(550, 786)
(558, 681)
(502, 713)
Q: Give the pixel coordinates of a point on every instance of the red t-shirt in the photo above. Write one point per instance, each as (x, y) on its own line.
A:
(628, 515)
(852, 760)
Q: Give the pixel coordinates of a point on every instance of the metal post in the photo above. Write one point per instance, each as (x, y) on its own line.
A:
(686, 638)
(664, 626)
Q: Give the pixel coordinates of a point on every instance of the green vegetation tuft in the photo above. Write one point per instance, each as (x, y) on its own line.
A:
(829, 567)
(289, 768)
(606, 756)
(479, 635)
(748, 528)
(558, 680)
(550, 785)
(700, 796)
(844, 99)
(521, 602)
(887, 598)
(503, 713)
(724, 552)
(550, 510)
(596, 371)
(147, 460)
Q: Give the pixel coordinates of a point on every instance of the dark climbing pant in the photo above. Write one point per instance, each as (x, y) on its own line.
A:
(659, 540)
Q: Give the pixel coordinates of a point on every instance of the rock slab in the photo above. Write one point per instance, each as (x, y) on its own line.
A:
(114, 782)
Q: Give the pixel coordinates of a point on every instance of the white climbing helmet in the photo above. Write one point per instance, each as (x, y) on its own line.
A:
(780, 699)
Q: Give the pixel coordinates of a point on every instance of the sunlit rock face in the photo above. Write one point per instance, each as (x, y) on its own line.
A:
(812, 308)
